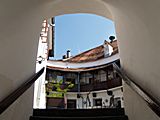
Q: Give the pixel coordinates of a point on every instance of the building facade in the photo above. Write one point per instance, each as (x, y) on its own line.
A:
(94, 85)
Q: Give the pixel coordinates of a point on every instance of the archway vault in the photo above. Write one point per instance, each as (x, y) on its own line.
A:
(137, 27)
(60, 7)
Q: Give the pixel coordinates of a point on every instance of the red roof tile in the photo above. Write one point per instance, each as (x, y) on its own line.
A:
(93, 54)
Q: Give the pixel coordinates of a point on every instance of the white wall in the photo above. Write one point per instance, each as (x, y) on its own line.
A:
(137, 27)
(100, 94)
(135, 107)
(20, 22)
(39, 85)
(20, 28)
(39, 101)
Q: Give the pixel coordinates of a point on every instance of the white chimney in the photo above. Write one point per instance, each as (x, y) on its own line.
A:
(68, 53)
(108, 49)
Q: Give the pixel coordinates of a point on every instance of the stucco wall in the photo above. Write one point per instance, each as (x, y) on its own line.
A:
(137, 27)
(99, 95)
(20, 28)
(135, 107)
(20, 22)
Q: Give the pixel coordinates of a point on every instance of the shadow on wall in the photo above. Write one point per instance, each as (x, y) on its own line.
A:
(6, 86)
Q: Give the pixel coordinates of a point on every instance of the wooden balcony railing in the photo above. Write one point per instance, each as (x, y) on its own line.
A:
(101, 85)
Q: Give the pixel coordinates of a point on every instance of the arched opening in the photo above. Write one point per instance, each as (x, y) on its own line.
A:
(137, 22)
(94, 34)
(119, 15)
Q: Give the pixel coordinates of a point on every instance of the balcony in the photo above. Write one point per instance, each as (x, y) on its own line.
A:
(74, 89)
(101, 85)
(98, 85)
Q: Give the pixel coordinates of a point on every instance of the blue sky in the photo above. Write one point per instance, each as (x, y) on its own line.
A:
(80, 32)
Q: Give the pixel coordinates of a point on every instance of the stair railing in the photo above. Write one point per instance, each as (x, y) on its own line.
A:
(149, 99)
(6, 102)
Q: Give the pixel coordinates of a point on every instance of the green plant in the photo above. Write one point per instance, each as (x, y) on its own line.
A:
(59, 87)
(62, 86)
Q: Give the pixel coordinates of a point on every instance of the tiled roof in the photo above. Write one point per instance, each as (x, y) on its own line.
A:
(93, 54)
(114, 44)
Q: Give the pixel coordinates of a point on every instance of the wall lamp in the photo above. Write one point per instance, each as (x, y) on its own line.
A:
(40, 59)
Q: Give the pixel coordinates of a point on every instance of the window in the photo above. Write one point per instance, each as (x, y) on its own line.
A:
(90, 80)
(97, 102)
(103, 75)
(72, 80)
(117, 102)
(59, 78)
(49, 76)
(97, 76)
(110, 75)
(85, 78)
(71, 104)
